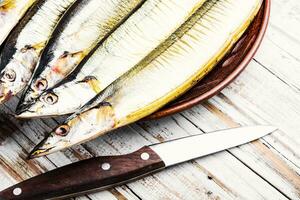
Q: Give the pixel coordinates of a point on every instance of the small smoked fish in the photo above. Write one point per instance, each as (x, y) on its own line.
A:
(86, 24)
(218, 25)
(11, 11)
(26, 43)
(141, 34)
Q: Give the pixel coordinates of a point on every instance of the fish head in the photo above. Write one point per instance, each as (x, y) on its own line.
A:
(77, 129)
(7, 80)
(49, 104)
(33, 92)
(55, 72)
(43, 106)
(16, 74)
(65, 99)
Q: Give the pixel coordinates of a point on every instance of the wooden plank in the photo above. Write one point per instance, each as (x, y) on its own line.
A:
(279, 52)
(269, 168)
(112, 147)
(278, 106)
(187, 181)
(16, 144)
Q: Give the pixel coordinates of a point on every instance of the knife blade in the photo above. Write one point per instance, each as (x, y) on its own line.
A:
(101, 173)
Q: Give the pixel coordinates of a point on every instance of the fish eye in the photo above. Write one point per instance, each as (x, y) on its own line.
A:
(9, 75)
(50, 98)
(41, 84)
(63, 130)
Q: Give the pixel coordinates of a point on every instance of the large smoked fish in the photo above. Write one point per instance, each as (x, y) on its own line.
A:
(141, 34)
(218, 25)
(82, 28)
(26, 43)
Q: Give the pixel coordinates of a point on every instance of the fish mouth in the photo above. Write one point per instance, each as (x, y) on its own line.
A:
(39, 151)
(23, 109)
(25, 103)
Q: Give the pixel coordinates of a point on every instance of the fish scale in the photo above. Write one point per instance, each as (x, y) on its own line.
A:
(25, 45)
(173, 71)
(83, 28)
(10, 14)
(133, 41)
(49, 12)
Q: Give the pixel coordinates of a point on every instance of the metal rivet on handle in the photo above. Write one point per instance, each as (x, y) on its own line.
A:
(17, 191)
(145, 156)
(105, 166)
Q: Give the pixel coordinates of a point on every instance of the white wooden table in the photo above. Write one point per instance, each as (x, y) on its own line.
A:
(268, 92)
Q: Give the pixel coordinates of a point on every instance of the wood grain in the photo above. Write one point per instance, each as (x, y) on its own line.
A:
(86, 176)
(226, 70)
(266, 93)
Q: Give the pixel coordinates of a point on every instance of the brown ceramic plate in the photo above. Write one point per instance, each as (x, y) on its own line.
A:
(226, 71)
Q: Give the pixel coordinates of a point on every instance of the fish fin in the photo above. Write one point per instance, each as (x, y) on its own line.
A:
(97, 101)
(93, 82)
(106, 113)
(37, 47)
(87, 79)
(61, 61)
(80, 54)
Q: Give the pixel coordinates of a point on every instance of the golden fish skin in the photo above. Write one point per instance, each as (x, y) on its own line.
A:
(172, 73)
(125, 48)
(11, 11)
(81, 30)
(26, 43)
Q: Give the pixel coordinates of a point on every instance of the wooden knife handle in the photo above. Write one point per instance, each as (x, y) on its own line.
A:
(86, 176)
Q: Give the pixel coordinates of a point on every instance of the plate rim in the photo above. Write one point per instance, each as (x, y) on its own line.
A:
(164, 112)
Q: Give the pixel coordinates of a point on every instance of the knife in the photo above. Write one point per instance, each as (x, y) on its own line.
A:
(101, 173)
